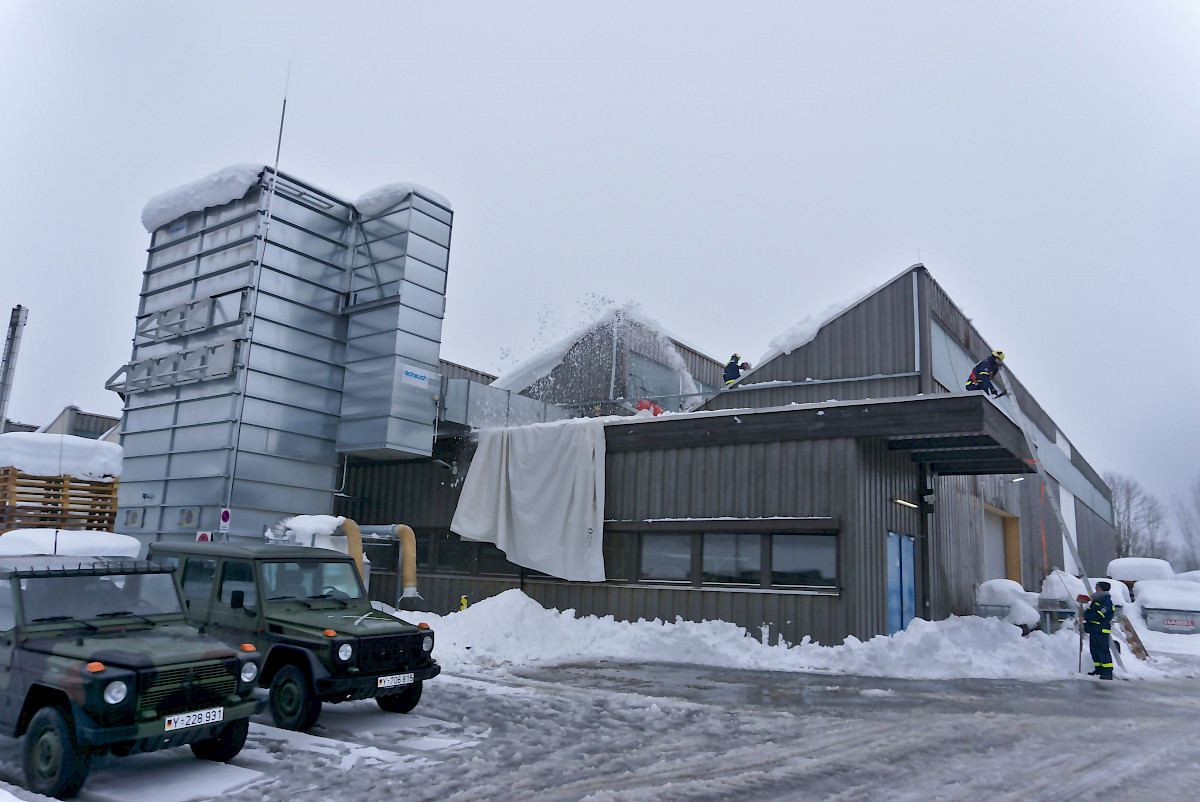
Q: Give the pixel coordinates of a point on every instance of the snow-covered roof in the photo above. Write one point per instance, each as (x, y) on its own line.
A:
(75, 543)
(1134, 569)
(216, 189)
(540, 365)
(40, 454)
(377, 200)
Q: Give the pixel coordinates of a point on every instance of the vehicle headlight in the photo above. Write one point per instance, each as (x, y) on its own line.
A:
(249, 671)
(345, 652)
(115, 692)
(427, 643)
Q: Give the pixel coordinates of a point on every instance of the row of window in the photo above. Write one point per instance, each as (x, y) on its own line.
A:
(775, 559)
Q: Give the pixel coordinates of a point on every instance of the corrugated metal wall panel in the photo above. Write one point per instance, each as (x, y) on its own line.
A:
(777, 396)
(1097, 540)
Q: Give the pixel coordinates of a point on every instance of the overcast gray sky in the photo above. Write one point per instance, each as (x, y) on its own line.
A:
(730, 167)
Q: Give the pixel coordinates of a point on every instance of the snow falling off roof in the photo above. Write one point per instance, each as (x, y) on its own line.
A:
(804, 331)
(39, 454)
(379, 199)
(541, 364)
(217, 189)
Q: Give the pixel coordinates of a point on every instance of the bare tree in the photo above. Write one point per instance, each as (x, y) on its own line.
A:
(1187, 517)
(1138, 519)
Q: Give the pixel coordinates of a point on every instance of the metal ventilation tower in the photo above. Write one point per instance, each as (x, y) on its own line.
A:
(277, 334)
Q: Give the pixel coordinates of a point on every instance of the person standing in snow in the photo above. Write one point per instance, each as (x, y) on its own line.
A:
(983, 373)
(733, 369)
(1097, 623)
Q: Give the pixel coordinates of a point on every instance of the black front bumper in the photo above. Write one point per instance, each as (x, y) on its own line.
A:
(151, 736)
(366, 686)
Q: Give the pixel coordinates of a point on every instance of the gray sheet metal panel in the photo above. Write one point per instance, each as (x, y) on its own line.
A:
(1097, 540)
(957, 532)
(1041, 540)
(876, 336)
(421, 494)
(777, 396)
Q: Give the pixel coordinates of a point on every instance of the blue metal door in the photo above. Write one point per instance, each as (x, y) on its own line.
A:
(902, 589)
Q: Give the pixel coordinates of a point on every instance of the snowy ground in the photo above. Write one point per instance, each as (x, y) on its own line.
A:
(537, 704)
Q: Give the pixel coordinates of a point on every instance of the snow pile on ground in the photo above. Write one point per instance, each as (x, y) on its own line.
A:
(38, 454)
(1135, 569)
(1022, 604)
(512, 630)
(382, 198)
(225, 185)
(85, 543)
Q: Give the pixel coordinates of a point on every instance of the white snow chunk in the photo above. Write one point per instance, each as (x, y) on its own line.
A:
(225, 185)
(1164, 594)
(1061, 585)
(313, 530)
(1190, 576)
(76, 543)
(39, 454)
(1022, 604)
(377, 200)
(1135, 569)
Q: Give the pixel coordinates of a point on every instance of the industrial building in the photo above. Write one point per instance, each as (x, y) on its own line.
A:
(287, 360)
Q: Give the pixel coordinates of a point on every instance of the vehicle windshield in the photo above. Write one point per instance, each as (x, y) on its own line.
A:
(58, 598)
(310, 579)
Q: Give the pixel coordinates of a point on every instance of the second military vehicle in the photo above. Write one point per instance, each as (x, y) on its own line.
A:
(308, 610)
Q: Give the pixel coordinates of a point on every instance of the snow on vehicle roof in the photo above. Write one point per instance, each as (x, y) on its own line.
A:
(39, 454)
(1134, 569)
(1167, 594)
(376, 200)
(215, 189)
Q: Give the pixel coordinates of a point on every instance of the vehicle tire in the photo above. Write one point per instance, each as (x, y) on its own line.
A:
(294, 704)
(225, 746)
(55, 765)
(401, 702)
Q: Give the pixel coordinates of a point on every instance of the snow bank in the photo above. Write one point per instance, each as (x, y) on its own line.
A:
(1135, 569)
(86, 543)
(40, 454)
(379, 199)
(1164, 594)
(1190, 576)
(225, 185)
(513, 630)
(1022, 604)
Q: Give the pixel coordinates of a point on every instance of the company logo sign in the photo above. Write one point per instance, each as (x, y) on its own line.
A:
(416, 377)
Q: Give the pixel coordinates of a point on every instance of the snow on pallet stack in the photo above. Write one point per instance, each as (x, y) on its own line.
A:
(57, 481)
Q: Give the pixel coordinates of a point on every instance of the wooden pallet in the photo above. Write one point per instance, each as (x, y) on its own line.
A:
(1134, 641)
(62, 502)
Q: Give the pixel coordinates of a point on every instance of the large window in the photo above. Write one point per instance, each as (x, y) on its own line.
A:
(733, 559)
(804, 560)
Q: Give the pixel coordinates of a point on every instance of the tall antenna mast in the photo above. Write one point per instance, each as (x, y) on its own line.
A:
(8, 364)
(253, 313)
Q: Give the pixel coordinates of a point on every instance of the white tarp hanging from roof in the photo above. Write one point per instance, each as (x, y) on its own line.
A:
(537, 492)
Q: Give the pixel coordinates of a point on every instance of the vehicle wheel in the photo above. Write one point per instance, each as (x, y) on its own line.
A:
(294, 705)
(54, 764)
(225, 746)
(401, 702)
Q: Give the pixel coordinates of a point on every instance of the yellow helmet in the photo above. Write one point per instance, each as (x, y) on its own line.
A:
(999, 355)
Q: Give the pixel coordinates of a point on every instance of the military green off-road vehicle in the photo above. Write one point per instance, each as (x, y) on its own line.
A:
(98, 656)
(307, 609)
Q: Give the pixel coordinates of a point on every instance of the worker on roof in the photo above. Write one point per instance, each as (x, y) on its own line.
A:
(1097, 623)
(733, 369)
(984, 372)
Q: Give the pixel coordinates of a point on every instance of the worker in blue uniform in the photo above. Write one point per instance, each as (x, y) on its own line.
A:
(1097, 623)
(733, 370)
(983, 373)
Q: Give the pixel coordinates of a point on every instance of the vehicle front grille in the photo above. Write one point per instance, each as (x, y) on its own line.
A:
(187, 687)
(387, 652)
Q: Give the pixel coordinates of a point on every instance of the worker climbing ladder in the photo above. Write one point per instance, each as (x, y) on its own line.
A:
(1131, 637)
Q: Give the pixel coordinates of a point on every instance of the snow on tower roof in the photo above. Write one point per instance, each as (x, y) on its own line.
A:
(377, 200)
(38, 454)
(216, 189)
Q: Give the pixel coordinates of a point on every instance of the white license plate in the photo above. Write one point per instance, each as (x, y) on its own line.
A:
(396, 679)
(181, 721)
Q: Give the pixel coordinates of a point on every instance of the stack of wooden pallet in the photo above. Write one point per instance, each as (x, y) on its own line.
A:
(60, 502)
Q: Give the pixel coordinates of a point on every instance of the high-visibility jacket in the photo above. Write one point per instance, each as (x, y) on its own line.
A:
(1099, 615)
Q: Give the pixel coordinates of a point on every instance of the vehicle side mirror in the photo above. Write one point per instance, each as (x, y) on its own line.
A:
(237, 599)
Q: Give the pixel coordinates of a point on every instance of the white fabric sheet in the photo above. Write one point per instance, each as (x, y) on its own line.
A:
(537, 492)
